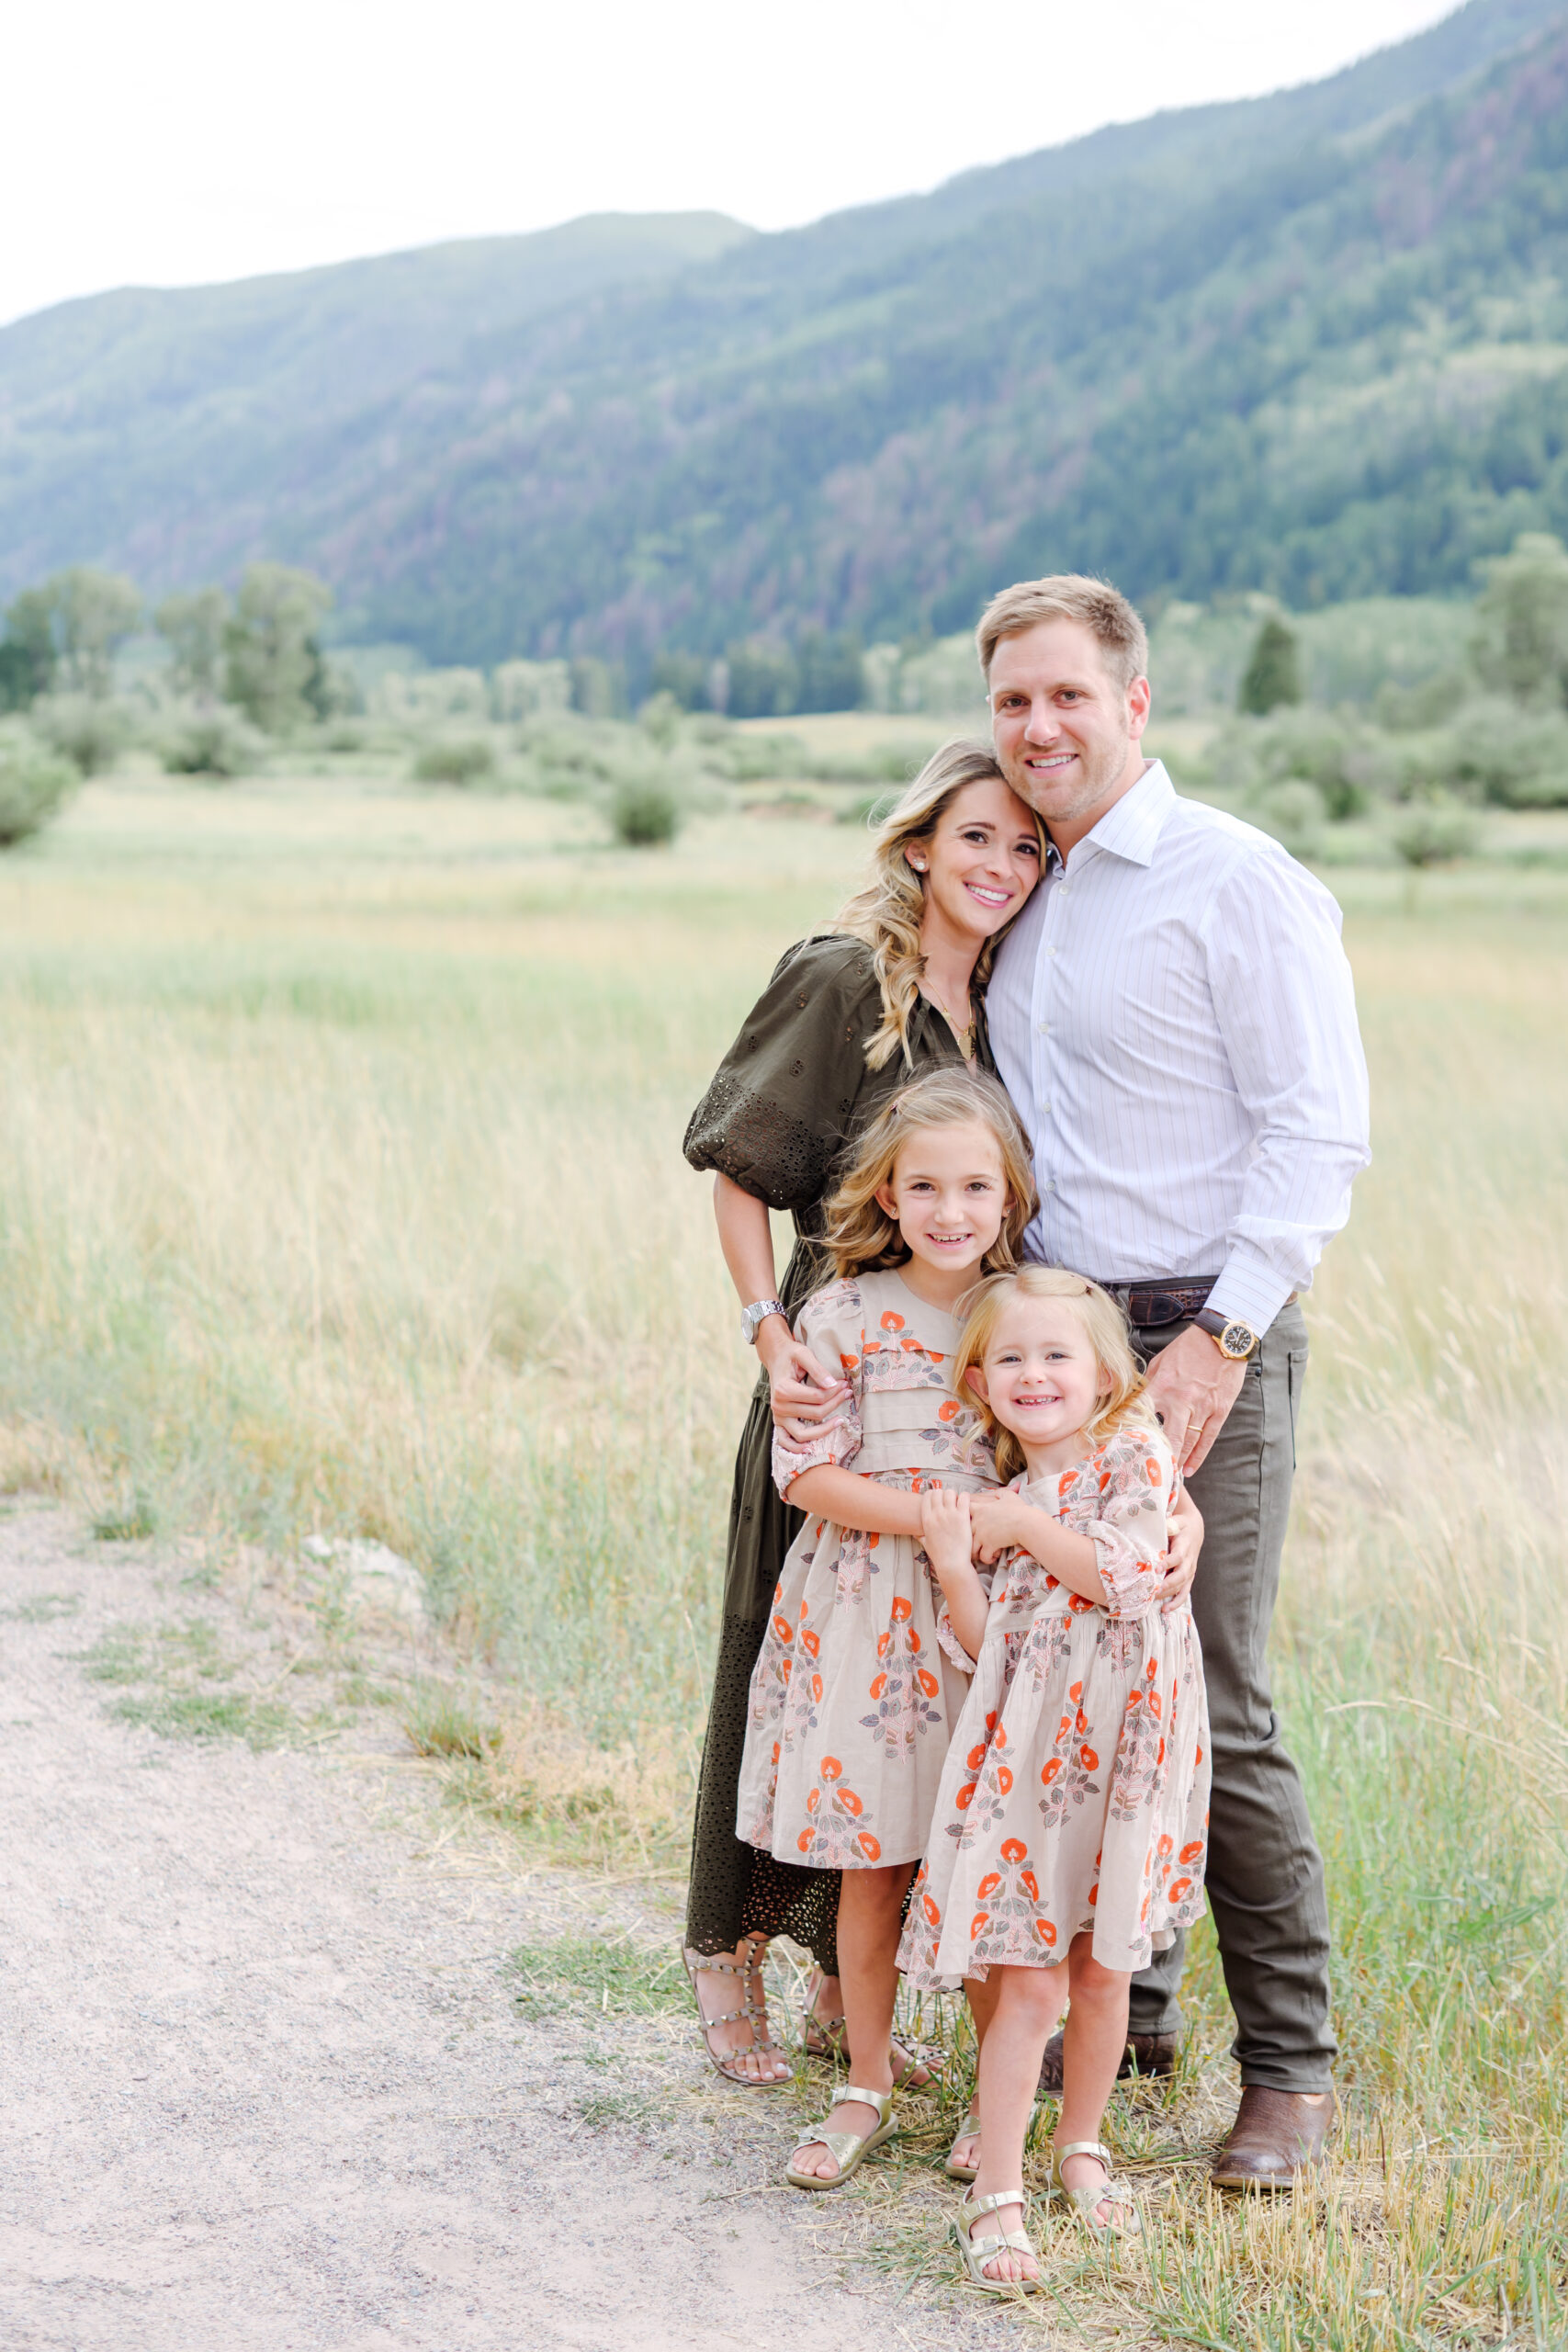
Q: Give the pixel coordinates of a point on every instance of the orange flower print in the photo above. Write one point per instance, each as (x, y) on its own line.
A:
(1046, 1930)
(784, 1629)
(979, 1924)
(1155, 1475)
(989, 1884)
(804, 1841)
(776, 1751)
(1030, 1884)
(1077, 1604)
(1167, 1846)
(891, 1322)
(847, 1362)
(1150, 1671)
(877, 1685)
(1081, 1726)
(813, 1799)
(1089, 1759)
(1093, 1897)
(949, 1411)
(1178, 1888)
(832, 1767)
(809, 1643)
(933, 1917)
(965, 1796)
(869, 1845)
(851, 1802)
(928, 1682)
(1002, 1739)
(1190, 1853)
(976, 1757)
(1004, 1780)
(883, 1643)
(901, 1609)
(1014, 1850)
(1075, 1692)
(817, 1689)
(1051, 1769)
(991, 1719)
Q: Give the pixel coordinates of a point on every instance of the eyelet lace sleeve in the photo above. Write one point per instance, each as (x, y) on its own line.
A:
(781, 1103)
(832, 1324)
(1119, 1501)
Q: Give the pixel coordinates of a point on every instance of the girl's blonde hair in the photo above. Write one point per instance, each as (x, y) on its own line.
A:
(1105, 1328)
(859, 1232)
(886, 914)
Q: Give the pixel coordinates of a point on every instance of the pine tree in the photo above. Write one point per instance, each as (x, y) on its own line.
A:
(1273, 675)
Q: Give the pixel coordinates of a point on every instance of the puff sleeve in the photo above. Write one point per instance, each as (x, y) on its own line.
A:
(782, 1102)
(832, 1324)
(1120, 1507)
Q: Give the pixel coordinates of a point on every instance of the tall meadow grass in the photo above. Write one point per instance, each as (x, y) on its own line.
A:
(341, 1193)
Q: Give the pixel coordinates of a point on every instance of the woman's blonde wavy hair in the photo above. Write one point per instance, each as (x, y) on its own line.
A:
(860, 1235)
(1122, 1397)
(887, 913)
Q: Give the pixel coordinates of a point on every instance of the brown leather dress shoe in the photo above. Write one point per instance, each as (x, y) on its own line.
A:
(1276, 2137)
(1146, 2054)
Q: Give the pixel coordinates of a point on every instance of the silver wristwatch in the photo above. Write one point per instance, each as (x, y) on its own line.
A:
(753, 1317)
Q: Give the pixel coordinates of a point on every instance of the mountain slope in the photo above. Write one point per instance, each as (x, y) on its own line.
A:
(1316, 342)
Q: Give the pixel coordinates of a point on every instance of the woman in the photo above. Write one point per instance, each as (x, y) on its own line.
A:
(895, 987)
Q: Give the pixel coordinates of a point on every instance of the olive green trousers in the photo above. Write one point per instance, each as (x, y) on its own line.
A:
(1264, 1874)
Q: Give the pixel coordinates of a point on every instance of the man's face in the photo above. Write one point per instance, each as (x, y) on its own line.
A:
(1067, 734)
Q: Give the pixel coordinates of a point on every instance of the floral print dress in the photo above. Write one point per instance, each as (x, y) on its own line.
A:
(853, 1700)
(1077, 1790)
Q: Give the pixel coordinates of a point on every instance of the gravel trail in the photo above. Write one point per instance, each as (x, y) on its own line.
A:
(266, 2082)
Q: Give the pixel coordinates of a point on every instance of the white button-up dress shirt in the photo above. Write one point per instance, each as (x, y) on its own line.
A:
(1174, 1017)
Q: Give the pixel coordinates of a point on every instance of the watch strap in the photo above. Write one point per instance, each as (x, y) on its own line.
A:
(1210, 1319)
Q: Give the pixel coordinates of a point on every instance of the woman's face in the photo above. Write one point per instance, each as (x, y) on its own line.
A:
(981, 862)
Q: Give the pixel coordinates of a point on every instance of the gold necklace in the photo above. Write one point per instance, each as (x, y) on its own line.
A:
(964, 1036)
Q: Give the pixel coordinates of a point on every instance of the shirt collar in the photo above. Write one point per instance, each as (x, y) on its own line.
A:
(1130, 827)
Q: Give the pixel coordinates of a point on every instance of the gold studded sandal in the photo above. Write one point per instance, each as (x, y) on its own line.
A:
(762, 2044)
(1086, 2202)
(977, 2252)
(849, 2150)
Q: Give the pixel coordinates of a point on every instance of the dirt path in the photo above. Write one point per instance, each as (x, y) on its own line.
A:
(266, 2084)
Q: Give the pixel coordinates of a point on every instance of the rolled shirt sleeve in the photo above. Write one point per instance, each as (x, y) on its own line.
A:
(1285, 1003)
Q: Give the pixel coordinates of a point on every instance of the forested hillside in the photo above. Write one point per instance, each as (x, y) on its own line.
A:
(1315, 344)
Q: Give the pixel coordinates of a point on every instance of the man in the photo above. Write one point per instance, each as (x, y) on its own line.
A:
(1173, 1016)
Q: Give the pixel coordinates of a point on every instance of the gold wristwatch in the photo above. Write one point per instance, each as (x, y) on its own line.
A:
(1234, 1340)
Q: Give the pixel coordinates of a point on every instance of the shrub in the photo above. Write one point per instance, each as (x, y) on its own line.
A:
(644, 815)
(1295, 813)
(211, 742)
(1435, 834)
(1273, 674)
(1503, 754)
(91, 733)
(456, 763)
(34, 780)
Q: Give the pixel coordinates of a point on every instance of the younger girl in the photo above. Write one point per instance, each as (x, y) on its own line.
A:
(852, 1701)
(1071, 1824)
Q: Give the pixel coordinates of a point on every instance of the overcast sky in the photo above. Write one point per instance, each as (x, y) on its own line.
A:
(181, 141)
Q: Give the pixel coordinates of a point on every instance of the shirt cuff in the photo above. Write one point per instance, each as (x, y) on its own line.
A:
(1250, 1290)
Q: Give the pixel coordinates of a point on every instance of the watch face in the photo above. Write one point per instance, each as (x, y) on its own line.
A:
(1237, 1341)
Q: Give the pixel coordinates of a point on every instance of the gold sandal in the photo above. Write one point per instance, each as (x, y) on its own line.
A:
(1086, 2202)
(849, 2150)
(970, 2130)
(761, 2045)
(977, 2252)
(824, 2038)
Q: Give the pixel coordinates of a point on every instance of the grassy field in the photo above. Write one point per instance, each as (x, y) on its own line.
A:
(341, 1193)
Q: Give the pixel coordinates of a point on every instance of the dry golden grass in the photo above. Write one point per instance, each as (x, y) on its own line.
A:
(341, 1191)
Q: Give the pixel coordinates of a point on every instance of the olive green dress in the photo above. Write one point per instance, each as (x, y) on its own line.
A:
(790, 1097)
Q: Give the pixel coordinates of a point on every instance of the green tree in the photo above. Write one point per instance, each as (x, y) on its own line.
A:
(1521, 640)
(684, 675)
(1273, 674)
(95, 613)
(831, 675)
(194, 626)
(273, 667)
(29, 657)
(763, 680)
(34, 779)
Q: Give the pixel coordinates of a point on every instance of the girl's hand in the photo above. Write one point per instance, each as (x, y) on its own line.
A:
(945, 1530)
(1184, 1541)
(808, 1399)
(995, 1520)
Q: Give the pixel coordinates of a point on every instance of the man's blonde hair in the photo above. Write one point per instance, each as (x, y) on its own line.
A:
(1069, 596)
(860, 1235)
(1121, 1395)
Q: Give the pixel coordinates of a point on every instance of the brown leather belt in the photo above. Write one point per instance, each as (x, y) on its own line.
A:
(1150, 1306)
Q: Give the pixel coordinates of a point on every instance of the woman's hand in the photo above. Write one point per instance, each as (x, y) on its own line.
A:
(1184, 1541)
(808, 1399)
(945, 1530)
